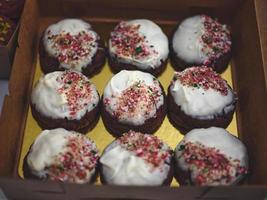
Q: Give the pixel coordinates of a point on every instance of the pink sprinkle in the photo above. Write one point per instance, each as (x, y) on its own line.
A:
(77, 89)
(73, 47)
(79, 157)
(209, 164)
(204, 77)
(129, 42)
(139, 94)
(148, 147)
(216, 39)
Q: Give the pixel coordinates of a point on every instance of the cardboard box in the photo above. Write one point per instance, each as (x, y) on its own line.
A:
(246, 18)
(16, 189)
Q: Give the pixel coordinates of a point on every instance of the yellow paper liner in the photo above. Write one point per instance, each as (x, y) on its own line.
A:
(99, 135)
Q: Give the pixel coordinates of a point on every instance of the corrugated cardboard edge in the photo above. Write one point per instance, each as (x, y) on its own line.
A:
(15, 105)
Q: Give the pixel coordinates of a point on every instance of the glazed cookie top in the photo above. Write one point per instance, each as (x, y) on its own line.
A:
(136, 159)
(133, 96)
(63, 155)
(201, 92)
(72, 42)
(64, 94)
(214, 157)
(201, 40)
(139, 42)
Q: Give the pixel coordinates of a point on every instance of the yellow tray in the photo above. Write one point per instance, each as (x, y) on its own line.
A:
(102, 138)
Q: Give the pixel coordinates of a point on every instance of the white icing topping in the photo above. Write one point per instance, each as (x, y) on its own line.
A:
(133, 97)
(64, 94)
(186, 42)
(220, 139)
(136, 159)
(46, 146)
(49, 150)
(194, 42)
(72, 42)
(200, 102)
(223, 142)
(146, 44)
(120, 167)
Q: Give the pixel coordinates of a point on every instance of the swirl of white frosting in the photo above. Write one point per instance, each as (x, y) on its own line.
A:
(53, 98)
(221, 140)
(47, 148)
(145, 106)
(201, 103)
(155, 40)
(188, 44)
(122, 167)
(79, 51)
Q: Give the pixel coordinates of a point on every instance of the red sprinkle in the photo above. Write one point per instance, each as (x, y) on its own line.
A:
(148, 147)
(72, 48)
(209, 164)
(138, 96)
(216, 39)
(77, 88)
(79, 158)
(129, 42)
(204, 77)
